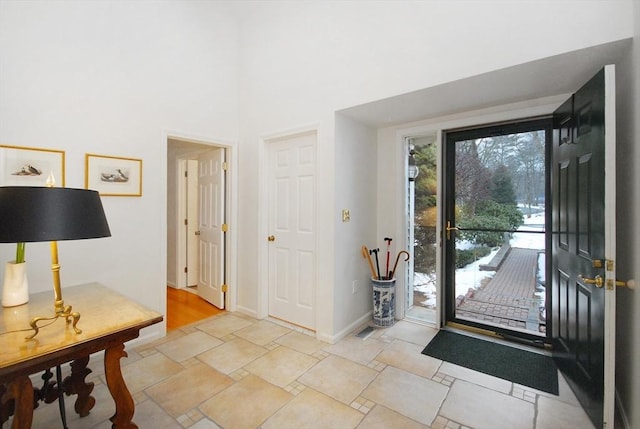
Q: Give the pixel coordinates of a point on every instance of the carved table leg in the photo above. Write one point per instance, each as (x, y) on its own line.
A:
(6, 407)
(20, 390)
(75, 385)
(119, 392)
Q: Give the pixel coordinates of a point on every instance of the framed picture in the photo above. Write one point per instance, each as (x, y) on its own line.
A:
(30, 166)
(113, 175)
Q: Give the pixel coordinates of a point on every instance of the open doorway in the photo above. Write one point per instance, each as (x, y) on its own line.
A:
(495, 225)
(196, 219)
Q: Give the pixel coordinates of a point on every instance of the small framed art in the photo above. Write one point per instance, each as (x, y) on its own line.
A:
(30, 166)
(113, 175)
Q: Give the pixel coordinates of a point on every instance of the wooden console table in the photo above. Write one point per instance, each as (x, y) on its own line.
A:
(107, 320)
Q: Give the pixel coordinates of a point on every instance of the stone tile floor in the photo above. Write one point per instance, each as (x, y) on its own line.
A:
(231, 371)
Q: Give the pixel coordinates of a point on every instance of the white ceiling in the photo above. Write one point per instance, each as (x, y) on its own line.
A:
(561, 74)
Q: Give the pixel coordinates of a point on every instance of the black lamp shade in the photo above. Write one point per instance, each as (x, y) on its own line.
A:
(29, 214)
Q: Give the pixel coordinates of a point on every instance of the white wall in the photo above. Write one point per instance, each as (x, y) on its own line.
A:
(356, 190)
(113, 78)
(302, 61)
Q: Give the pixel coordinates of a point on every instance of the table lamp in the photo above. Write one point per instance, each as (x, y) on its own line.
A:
(34, 214)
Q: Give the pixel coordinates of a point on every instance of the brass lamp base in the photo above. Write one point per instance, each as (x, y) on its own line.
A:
(61, 311)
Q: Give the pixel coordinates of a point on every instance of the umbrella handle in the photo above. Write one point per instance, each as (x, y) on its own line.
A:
(398, 259)
(367, 256)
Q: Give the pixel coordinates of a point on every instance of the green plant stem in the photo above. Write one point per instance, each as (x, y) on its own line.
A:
(20, 253)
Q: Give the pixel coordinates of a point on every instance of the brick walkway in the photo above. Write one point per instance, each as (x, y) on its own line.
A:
(508, 298)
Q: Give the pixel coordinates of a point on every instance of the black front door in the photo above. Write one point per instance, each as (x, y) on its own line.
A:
(579, 264)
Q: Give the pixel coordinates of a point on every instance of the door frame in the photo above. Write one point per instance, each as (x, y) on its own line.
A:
(403, 282)
(185, 243)
(610, 246)
(231, 204)
(263, 222)
(517, 126)
(504, 113)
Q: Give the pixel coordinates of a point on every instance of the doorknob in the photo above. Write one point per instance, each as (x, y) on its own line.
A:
(271, 238)
(597, 280)
(197, 232)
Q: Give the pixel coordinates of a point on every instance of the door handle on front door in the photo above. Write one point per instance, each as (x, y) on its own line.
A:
(449, 228)
(597, 280)
(271, 238)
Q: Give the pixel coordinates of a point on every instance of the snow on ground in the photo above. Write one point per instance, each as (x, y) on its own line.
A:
(470, 277)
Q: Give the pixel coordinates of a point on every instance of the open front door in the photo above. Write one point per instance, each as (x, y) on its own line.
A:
(211, 226)
(583, 246)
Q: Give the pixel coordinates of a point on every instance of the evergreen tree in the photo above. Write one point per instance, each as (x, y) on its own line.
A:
(502, 190)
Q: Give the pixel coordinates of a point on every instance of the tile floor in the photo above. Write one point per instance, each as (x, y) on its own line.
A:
(231, 371)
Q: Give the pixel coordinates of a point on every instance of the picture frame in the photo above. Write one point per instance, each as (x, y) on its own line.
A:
(113, 175)
(31, 166)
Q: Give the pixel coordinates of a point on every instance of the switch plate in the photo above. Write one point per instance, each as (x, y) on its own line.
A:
(346, 216)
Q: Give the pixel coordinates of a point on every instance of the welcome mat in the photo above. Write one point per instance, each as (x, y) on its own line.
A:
(509, 363)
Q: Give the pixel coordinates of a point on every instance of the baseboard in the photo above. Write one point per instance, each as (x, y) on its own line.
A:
(346, 331)
(249, 312)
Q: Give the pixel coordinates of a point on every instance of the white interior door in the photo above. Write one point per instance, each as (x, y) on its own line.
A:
(292, 229)
(193, 261)
(211, 225)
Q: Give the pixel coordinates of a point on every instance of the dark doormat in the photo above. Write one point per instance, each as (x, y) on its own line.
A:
(509, 363)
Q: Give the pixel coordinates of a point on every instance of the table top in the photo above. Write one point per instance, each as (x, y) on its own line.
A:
(102, 312)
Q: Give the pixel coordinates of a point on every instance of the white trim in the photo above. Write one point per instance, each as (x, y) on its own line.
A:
(610, 247)
(361, 321)
(248, 311)
(231, 257)
(514, 111)
(181, 247)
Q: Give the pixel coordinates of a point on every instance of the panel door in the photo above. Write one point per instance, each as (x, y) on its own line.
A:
(211, 197)
(292, 229)
(583, 218)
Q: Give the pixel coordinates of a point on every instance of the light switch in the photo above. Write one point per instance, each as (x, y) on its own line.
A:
(346, 217)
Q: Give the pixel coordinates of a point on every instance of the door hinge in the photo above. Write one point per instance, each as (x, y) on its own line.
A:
(225, 288)
(186, 174)
(186, 270)
(186, 222)
(225, 165)
(224, 227)
(610, 265)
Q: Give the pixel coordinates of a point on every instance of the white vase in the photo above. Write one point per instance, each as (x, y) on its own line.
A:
(15, 290)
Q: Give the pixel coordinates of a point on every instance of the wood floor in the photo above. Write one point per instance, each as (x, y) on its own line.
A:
(185, 307)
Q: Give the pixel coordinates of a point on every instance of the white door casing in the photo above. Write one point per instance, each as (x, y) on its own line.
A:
(291, 224)
(610, 244)
(211, 192)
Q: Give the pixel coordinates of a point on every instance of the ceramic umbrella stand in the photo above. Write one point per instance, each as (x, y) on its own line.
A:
(384, 300)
